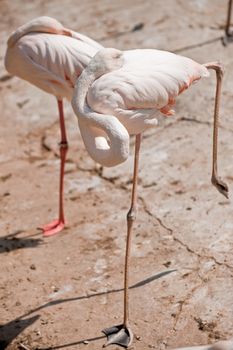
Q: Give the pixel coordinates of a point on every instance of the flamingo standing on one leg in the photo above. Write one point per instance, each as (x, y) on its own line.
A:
(51, 57)
(121, 93)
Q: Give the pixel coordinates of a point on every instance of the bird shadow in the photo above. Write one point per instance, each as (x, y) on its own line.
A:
(12, 241)
(111, 291)
(10, 330)
(64, 346)
(136, 285)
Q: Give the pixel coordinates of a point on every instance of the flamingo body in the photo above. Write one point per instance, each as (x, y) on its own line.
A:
(134, 93)
(49, 56)
(147, 83)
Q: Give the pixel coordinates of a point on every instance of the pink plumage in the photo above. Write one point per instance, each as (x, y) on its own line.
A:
(122, 93)
(51, 57)
(48, 55)
(134, 88)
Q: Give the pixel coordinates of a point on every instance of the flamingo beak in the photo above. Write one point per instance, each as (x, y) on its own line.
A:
(66, 32)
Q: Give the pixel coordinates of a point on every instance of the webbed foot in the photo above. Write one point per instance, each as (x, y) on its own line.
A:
(227, 39)
(120, 335)
(221, 186)
(52, 228)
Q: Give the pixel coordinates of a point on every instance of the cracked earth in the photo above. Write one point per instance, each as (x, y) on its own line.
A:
(60, 292)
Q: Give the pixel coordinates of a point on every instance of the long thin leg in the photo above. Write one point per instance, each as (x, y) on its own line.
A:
(227, 30)
(228, 33)
(216, 181)
(131, 217)
(122, 334)
(58, 224)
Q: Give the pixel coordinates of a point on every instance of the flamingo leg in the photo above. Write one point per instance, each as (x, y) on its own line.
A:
(228, 33)
(57, 225)
(122, 334)
(215, 179)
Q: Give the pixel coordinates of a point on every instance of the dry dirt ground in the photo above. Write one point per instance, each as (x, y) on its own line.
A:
(59, 292)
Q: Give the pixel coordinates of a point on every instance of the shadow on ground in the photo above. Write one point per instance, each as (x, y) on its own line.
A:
(13, 242)
(12, 329)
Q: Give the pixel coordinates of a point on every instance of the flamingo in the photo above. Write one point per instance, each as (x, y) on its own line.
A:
(51, 57)
(120, 94)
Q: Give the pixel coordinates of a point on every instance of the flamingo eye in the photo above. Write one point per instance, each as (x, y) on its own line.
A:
(116, 55)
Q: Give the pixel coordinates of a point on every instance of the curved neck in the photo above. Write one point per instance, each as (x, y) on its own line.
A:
(40, 25)
(105, 138)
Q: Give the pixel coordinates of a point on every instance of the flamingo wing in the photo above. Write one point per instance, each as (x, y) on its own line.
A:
(48, 55)
(18, 62)
(146, 86)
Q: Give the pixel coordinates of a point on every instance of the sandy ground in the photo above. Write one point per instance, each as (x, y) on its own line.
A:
(60, 292)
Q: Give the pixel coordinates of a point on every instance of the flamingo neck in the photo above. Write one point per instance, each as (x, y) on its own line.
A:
(42, 24)
(105, 138)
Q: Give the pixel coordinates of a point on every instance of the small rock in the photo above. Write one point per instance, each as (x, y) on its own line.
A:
(33, 267)
(5, 194)
(5, 177)
(37, 332)
(85, 342)
(138, 26)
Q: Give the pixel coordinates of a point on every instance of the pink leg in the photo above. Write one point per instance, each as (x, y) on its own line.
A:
(122, 334)
(228, 24)
(57, 225)
(215, 179)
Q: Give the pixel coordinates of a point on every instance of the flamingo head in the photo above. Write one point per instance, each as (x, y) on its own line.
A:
(106, 60)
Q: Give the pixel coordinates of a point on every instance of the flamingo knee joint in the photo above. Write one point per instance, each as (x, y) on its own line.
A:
(63, 145)
(131, 215)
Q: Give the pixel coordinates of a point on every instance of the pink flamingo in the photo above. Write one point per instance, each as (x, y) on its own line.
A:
(120, 94)
(51, 57)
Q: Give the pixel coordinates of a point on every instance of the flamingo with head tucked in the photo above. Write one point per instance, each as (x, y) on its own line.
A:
(51, 57)
(121, 94)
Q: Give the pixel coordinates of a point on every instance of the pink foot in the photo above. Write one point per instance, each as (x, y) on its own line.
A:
(52, 228)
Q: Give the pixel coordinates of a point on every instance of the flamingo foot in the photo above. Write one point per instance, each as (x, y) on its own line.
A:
(221, 186)
(52, 228)
(120, 335)
(227, 39)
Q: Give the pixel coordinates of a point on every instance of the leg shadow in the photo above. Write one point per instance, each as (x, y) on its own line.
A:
(12, 329)
(64, 346)
(13, 242)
